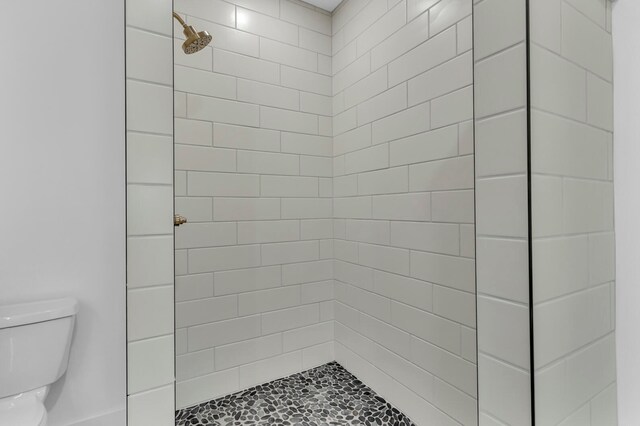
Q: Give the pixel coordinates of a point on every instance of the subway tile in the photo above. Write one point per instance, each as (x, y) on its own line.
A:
(222, 110)
(204, 159)
(315, 104)
(313, 40)
(267, 94)
(454, 173)
(270, 369)
(317, 292)
(415, 206)
(243, 280)
(316, 166)
(509, 18)
(223, 184)
(410, 291)
(223, 332)
(149, 260)
(246, 209)
(441, 80)
(298, 273)
(156, 65)
(403, 40)
(507, 134)
(503, 268)
(156, 406)
(599, 103)
(313, 229)
(426, 146)
(380, 30)
(305, 80)
(248, 351)
(557, 85)
(193, 132)
(557, 140)
(429, 54)
(149, 210)
(268, 7)
(306, 208)
(230, 39)
(206, 310)
(285, 54)
(245, 138)
(268, 300)
(291, 121)
(194, 235)
(288, 186)
(445, 365)
(388, 259)
(373, 11)
(368, 231)
(382, 105)
(266, 26)
(149, 312)
(453, 206)
(206, 388)
(501, 82)
(149, 107)
(298, 143)
(268, 231)
(394, 180)
(150, 15)
(446, 13)
(586, 43)
(238, 65)
(223, 258)
(432, 237)
(352, 73)
(352, 140)
(366, 88)
(587, 206)
(561, 266)
(452, 108)
(374, 158)
(150, 363)
(191, 80)
(290, 252)
(149, 158)
(268, 163)
(504, 390)
(352, 207)
(193, 287)
(215, 11)
(501, 206)
(288, 319)
(305, 17)
(194, 364)
(307, 336)
(455, 272)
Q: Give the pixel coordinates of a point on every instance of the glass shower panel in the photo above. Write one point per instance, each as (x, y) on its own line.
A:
(572, 212)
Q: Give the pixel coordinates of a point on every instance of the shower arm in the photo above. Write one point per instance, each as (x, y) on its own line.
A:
(179, 19)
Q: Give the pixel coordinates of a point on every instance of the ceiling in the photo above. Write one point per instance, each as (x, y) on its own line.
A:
(325, 4)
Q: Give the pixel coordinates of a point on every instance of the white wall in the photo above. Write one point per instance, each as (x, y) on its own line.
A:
(626, 45)
(62, 185)
(404, 204)
(253, 176)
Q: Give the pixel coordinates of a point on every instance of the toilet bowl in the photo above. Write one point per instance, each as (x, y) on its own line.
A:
(26, 409)
(35, 339)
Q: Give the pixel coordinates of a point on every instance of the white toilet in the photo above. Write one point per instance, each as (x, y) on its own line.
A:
(34, 351)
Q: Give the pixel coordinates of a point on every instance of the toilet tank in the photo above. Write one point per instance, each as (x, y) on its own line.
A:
(35, 339)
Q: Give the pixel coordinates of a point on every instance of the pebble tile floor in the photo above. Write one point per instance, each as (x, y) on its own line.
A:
(325, 395)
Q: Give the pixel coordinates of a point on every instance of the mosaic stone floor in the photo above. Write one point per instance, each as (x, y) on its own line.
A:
(325, 395)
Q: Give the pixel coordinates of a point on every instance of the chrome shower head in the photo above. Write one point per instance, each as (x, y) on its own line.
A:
(195, 41)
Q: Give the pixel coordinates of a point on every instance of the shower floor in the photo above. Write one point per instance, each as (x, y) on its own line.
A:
(325, 395)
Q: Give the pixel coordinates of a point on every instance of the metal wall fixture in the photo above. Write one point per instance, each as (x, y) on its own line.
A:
(196, 41)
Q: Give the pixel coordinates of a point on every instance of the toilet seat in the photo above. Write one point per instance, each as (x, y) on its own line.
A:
(27, 411)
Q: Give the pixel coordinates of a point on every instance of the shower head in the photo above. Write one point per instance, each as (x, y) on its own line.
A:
(195, 41)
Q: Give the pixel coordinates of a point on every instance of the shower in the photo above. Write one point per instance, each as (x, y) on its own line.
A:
(196, 41)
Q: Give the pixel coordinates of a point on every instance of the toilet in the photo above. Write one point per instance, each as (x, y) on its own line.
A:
(35, 339)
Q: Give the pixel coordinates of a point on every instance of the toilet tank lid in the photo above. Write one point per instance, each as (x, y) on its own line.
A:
(32, 312)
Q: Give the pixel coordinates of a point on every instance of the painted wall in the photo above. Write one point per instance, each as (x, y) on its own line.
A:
(404, 204)
(573, 259)
(253, 176)
(62, 165)
(626, 64)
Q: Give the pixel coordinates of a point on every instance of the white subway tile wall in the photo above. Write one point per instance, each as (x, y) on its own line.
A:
(150, 254)
(573, 230)
(253, 161)
(404, 205)
(504, 378)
